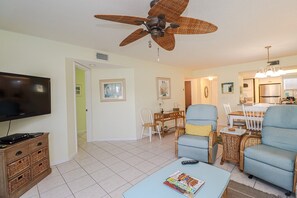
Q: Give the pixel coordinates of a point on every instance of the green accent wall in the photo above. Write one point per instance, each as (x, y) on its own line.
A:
(80, 101)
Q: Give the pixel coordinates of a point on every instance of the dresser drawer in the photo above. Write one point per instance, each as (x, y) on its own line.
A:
(19, 181)
(17, 153)
(38, 143)
(39, 155)
(40, 167)
(18, 166)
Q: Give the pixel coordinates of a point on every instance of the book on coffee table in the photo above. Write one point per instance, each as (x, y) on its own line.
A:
(184, 183)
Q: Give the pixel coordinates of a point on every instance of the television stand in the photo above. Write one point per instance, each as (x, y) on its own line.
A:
(23, 165)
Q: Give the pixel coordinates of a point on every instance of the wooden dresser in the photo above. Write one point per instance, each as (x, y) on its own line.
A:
(23, 165)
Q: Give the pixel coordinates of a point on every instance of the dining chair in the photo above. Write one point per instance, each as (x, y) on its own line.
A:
(238, 123)
(148, 123)
(254, 117)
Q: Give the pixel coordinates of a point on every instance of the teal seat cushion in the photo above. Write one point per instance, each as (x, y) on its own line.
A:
(269, 155)
(193, 141)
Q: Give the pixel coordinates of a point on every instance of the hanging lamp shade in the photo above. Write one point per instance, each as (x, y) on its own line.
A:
(270, 70)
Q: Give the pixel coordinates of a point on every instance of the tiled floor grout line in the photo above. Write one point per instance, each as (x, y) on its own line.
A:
(65, 181)
(162, 151)
(129, 182)
(97, 182)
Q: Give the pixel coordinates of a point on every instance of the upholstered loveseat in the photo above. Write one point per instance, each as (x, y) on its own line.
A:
(272, 156)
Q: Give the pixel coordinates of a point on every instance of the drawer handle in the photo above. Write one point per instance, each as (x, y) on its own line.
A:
(18, 153)
(39, 144)
(39, 152)
(40, 164)
(20, 177)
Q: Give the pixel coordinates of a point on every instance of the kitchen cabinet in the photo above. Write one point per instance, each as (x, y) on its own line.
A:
(290, 83)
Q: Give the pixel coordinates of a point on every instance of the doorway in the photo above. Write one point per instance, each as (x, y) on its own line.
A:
(83, 102)
(188, 94)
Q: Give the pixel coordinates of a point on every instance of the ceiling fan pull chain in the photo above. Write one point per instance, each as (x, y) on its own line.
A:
(158, 59)
(150, 44)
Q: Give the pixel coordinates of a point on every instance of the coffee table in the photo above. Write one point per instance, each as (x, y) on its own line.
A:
(216, 181)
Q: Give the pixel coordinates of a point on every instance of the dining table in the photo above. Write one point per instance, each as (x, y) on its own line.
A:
(235, 115)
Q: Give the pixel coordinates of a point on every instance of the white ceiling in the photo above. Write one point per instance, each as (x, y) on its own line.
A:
(245, 27)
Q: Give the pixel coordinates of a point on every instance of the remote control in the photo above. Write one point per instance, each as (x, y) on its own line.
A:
(33, 135)
(189, 162)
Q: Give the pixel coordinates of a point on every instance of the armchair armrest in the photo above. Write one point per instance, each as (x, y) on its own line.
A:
(212, 138)
(295, 175)
(211, 141)
(179, 131)
(247, 141)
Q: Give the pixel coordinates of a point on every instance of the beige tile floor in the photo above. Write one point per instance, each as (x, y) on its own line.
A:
(107, 169)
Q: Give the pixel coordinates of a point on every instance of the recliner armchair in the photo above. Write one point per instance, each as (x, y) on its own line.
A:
(202, 148)
(272, 156)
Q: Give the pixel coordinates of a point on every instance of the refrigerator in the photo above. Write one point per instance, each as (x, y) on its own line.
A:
(270, 93)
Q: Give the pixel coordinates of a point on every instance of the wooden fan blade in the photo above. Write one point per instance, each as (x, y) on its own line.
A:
(172, 9)
(167, 41)
(137, 34)
(122, 19)
(192, 26)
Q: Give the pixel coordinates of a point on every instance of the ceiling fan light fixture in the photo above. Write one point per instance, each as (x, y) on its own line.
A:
(161, 14)
(157, 32)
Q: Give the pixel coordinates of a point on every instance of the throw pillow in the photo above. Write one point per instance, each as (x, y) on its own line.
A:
(201, 130)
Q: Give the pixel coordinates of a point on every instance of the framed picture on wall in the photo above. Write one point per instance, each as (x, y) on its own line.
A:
(163, 88)
(227, 88)
(112, 90)
(78, 89)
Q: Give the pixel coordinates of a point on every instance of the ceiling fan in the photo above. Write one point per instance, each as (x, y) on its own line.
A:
(161, 13)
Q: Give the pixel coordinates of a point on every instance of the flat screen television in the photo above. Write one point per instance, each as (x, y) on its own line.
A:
(23, 96)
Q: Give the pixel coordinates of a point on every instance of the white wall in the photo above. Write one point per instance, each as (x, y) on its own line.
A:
(113, 120)
(146, 88)
(196, 91)
(205, 83)
(41, 57)
(25, 55)
(198, 85)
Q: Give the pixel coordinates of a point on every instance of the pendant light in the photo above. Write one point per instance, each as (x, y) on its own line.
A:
(270, 70)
